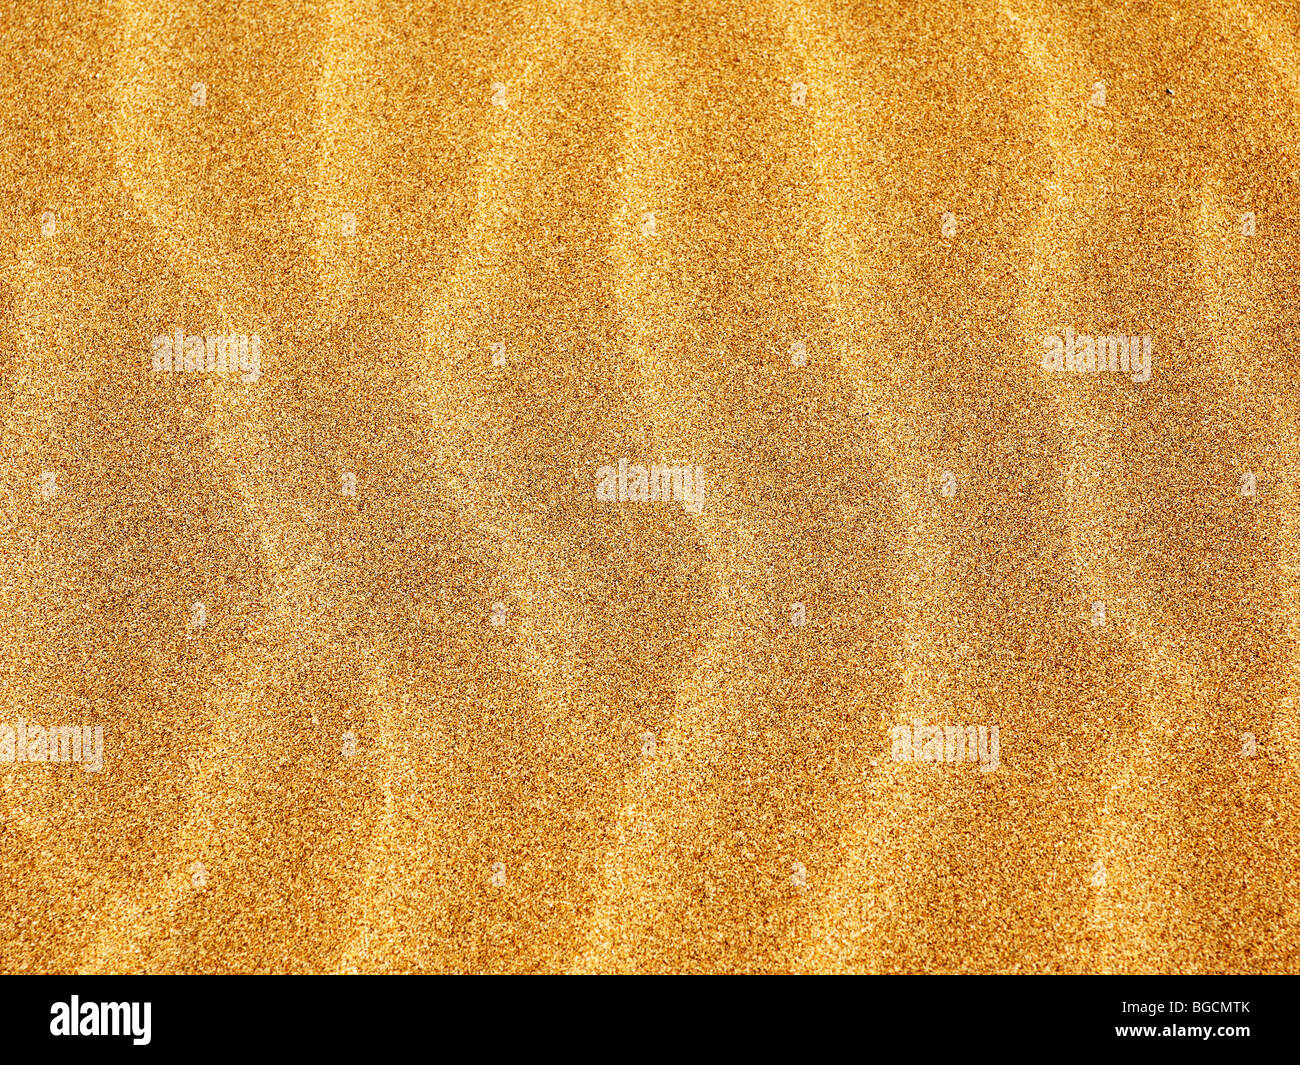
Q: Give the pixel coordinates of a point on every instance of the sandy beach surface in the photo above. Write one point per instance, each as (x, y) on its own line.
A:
(394, 671)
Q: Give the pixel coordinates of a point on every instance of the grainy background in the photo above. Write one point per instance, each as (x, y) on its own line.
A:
(769, 829)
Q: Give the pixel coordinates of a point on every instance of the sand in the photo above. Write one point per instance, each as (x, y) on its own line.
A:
(457, 713)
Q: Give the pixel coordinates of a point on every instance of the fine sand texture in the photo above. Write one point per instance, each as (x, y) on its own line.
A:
(952, 649)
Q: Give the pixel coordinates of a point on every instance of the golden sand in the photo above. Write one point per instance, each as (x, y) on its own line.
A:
(353, 759)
